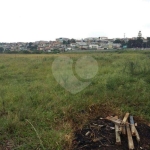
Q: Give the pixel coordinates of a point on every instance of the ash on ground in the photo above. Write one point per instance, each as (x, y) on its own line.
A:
(99, 134)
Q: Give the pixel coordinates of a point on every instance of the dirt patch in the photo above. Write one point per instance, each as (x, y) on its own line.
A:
(99, 134)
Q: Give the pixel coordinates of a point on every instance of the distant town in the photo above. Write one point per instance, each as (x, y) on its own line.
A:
(66, 44)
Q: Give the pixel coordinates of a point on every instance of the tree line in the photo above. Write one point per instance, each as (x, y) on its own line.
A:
(135, 43)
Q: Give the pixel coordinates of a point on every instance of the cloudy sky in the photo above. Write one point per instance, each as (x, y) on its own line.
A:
(33, 20)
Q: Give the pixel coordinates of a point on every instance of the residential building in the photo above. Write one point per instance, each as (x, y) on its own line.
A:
(93, 46)
(82, 45)
(61, 39)
(91, 39)
(103, 38)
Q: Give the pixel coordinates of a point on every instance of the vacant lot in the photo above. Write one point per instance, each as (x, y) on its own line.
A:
(37, 113)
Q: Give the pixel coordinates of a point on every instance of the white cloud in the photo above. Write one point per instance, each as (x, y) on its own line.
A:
(31, 20)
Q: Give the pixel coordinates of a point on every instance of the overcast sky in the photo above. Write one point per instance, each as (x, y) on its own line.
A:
(33, 20)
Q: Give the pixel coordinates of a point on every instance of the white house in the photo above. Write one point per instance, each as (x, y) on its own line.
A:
(49, 51)
(82, 45)
(73, 44)
(103, 38)
(93, 46)
(68, 49)
(116, 45)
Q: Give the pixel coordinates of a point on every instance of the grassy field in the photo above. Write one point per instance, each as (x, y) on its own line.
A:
(37, 113)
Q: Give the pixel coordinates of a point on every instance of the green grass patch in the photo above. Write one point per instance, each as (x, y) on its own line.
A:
(37, 113)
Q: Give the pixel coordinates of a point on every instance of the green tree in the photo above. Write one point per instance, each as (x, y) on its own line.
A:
(72, 41)
(1, 49)
(131, 43)
(117, 41)
(68, 42)
(32, 47)
(139, 42)
(123, 43)
(64, 42)
(148, 42)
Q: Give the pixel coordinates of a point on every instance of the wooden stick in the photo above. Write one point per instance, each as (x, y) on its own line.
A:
(114, 119)
(130, 140)
(124, 130)
(125, 118)
(118, 139)
(120, 129)
(132, 125)
(135, 124)
(137, 135)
